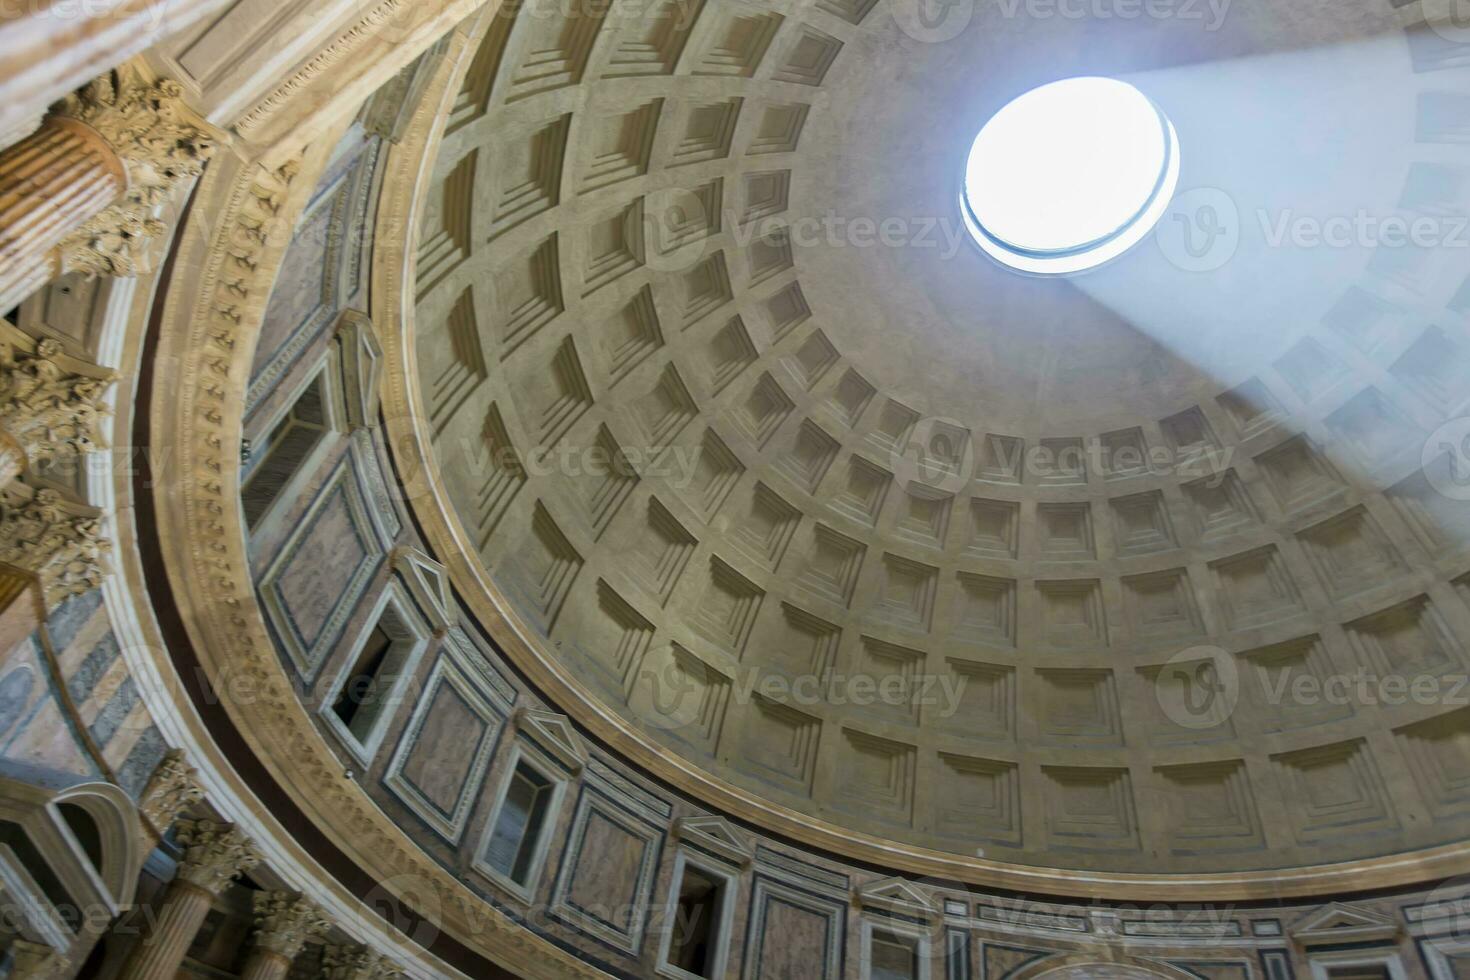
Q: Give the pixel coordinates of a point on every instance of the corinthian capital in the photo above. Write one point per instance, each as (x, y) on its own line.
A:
(357, 963)
(160, 145)
(214, 853)
(148, 126)
(171, 789)
(42, 534)
(49, 408)
(284, 922)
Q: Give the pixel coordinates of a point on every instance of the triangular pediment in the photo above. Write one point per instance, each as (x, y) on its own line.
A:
(1340, 922)
(555, 734)
(715, 835)
(362, 363)
(429, 583)
(899, 895)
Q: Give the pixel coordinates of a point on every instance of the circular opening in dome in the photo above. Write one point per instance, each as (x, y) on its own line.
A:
(1069, 175)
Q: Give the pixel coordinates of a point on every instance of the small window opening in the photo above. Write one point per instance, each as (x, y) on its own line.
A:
(696, 925)
(365, 693)
(518, 826)
(85, 830)
(284, 450)
(894, 957)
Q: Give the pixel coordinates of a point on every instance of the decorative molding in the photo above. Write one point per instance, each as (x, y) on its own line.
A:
(33, 961)
(357, 963)
(209, 325)
(285, 922)
(715, 835)
(49, 407)
(214, 854)
(162, 147)
(362, 361)
(59, 542)
(555, 734)
(172, 789)
(1339, 923)
(897, 895)
(428, 583)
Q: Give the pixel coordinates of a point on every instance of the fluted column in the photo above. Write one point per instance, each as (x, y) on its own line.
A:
(51, 183)
(284, 922)
(214, 854)
(52, 46)
(357, 963)
(79, 193)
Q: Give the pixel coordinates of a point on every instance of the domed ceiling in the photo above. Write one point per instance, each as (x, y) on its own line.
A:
(754, 449)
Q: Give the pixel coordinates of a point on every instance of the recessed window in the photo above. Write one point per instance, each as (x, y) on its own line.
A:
(1069, 175)
(696, 924)
(514, 843)
(360, 698)
(1362, 971)
(696, 930)
(84, 828)
(285, 448)
(893, 957)
(371, 683)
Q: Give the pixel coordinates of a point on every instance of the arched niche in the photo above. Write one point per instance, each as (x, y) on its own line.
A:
(1092, 966)
(70, 854)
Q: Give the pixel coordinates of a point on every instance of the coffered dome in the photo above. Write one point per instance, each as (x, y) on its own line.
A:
(849, 489)
(767, 464)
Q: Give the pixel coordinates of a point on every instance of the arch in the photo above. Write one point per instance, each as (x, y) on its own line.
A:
(1102, 965)
(116, 818)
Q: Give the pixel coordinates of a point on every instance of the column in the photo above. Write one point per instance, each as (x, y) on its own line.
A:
(214, 853)
(357, 963)
(79, 193)
(51, 182)
(284, 922)
(53, 46)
